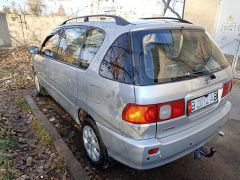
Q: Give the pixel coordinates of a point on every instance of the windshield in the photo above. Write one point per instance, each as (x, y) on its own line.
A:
(172, 55)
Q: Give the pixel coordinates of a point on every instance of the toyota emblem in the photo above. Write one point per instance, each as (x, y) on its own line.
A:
(207, 80)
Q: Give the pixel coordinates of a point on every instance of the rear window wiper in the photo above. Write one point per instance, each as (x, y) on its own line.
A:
(188, 76)
(205, 73)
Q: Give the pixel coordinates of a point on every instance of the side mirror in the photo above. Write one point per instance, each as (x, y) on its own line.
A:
(49, 53)
(33, 50)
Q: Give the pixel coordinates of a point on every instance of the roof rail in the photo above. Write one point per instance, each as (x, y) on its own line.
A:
(119, 20)
(171, 18)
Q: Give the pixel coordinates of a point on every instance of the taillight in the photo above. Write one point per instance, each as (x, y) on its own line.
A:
(171, 109)
(227, 87)
(146, 114)
(139, 114)
(153, 151)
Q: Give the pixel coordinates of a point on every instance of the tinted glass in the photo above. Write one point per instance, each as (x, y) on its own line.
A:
(93, 42)
(70, 45)
(50, 48)
(117, 63)
(171, 55)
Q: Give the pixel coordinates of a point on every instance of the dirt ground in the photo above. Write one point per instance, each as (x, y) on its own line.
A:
(28, 153)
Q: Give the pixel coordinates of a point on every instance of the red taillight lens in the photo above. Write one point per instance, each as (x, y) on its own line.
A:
(139, 114)
(227, 87)
(153, 151)
(146, 114)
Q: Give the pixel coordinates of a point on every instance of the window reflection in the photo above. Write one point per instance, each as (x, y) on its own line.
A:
(117, 63)
(70, 45)
(93, 42)
(51, 46)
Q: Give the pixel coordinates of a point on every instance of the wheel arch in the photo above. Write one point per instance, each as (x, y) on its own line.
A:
(82, 113)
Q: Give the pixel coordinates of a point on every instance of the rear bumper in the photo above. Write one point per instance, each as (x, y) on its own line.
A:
(134, 153)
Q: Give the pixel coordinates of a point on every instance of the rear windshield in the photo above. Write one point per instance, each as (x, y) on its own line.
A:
(174, 55)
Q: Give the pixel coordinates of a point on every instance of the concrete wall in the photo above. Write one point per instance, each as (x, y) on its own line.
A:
(4, 32)
(227, 33)
(33, 29)
(203, 13)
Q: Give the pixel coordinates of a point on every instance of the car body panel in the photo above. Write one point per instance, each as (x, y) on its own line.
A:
(40, 67)
(65, 83)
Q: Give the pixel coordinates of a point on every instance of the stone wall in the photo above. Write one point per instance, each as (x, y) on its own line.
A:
(4, 33)
(31, 30)
(203, 13)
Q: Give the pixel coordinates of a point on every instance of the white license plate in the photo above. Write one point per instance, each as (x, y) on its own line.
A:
(203, 101)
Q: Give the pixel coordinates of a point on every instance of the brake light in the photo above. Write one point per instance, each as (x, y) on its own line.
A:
(227, 87)
(146, 114)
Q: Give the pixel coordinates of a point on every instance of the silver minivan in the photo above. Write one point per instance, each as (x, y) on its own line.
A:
(145, 92)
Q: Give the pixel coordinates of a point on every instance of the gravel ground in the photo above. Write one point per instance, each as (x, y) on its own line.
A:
(224, 165)
(26, 151)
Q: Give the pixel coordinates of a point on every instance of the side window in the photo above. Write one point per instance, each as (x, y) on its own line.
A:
(70, 45)
(50, 47)
(117, 62)
(93, 42)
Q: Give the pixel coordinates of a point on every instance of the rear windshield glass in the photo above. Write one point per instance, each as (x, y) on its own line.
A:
(174, 55)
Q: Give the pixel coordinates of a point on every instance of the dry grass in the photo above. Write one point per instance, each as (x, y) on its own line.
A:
(41, 133)
(24, 105)
(6, 160)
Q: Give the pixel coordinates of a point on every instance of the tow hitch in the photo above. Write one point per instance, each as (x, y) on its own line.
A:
(203, 152)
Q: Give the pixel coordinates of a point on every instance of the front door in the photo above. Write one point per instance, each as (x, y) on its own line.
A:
(46, 61)
(66, 65)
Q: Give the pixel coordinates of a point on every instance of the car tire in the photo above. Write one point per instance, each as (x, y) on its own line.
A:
(93, 145)
(39, 88)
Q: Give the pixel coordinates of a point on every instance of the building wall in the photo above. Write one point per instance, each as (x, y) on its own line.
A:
(227, 33)
(34, 30)
(203, 13)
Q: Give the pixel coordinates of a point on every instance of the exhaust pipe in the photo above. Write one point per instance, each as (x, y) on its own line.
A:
(197, 154)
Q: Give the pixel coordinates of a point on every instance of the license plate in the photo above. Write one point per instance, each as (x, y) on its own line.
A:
(202, 102)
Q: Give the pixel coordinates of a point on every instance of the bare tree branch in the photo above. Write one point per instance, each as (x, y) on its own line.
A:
(167, 6)
(36, 6)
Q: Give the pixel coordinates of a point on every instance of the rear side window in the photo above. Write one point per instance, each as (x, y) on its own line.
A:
(93, 42)
(70, 45)
(117, 62)
(50, 47)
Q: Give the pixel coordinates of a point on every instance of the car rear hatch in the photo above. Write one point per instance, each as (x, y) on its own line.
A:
(187, 90)
(179, 67)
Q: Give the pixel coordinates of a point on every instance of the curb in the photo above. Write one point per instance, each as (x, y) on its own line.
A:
(74, 166)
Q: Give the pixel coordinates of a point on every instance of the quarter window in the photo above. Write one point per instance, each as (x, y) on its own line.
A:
(93, 42)
(71, 44)
(51, 46)
(117, 63)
